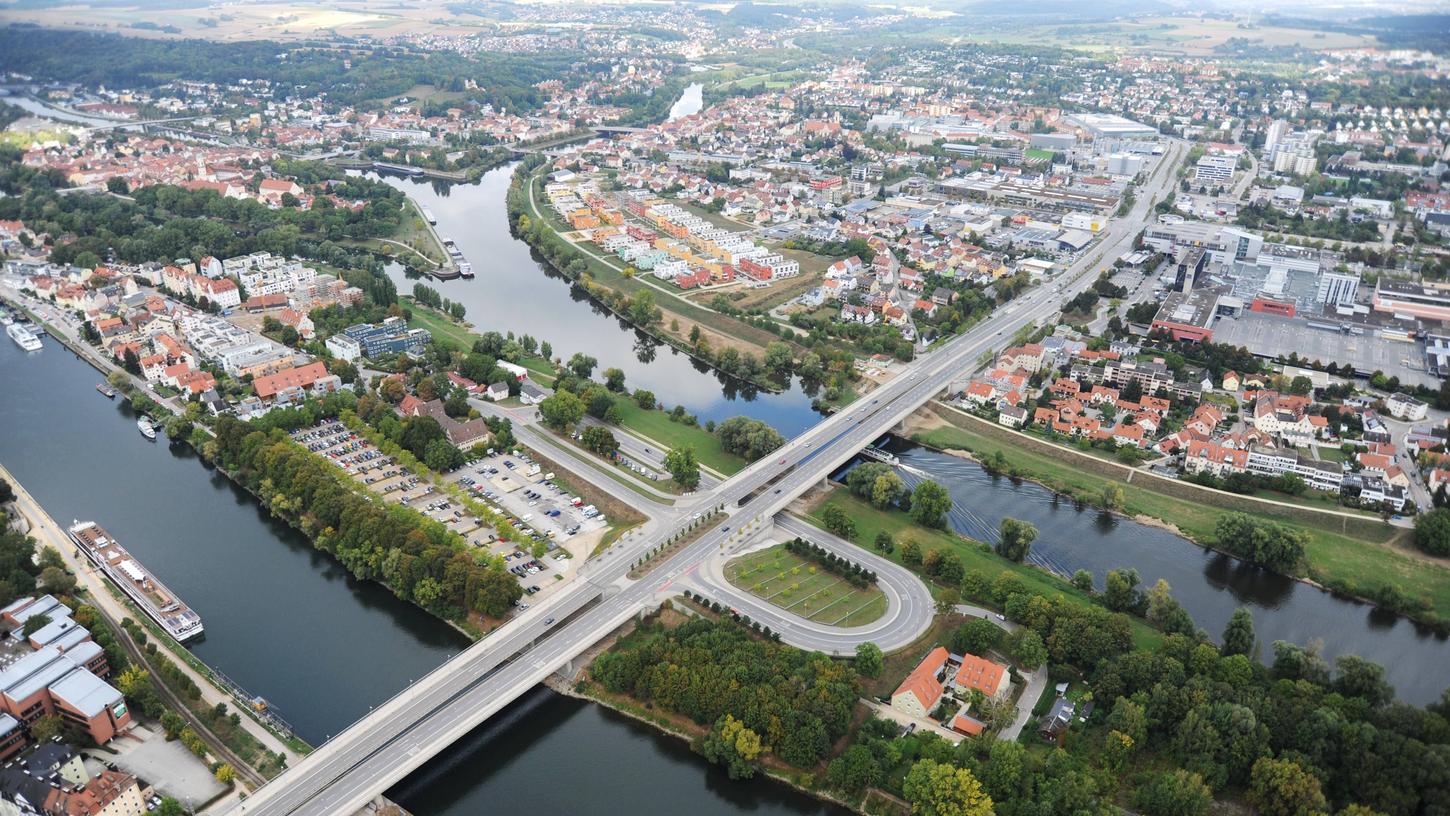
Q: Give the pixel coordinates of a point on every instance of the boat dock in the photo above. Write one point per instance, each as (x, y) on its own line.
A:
(159, 603)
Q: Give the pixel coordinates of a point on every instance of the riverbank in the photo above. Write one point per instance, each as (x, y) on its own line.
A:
(975, 556)
(1347, 554)
(609, 287)
(256, 766)
(581, 687)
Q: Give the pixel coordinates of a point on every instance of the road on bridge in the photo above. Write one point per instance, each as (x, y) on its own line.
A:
(399, 736)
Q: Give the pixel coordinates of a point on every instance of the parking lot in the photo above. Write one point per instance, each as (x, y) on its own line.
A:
(561, 529)
(1269, 335)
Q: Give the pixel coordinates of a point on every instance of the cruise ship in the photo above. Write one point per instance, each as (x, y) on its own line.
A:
(429, 216)
(159, 603)
(23, 337)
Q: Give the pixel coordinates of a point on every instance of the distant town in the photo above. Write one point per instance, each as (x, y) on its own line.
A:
(932, 412)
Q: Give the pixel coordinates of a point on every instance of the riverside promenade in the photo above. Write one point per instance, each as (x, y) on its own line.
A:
(48, 533)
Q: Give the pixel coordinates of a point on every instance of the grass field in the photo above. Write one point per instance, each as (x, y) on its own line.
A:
(975, 555)
(796, 585)
(656, 425)
(1362, 552)
(451, 333)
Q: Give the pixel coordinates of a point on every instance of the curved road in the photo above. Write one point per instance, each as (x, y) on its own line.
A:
(909, 606)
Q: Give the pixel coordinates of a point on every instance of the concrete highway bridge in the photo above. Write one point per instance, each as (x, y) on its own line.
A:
(397, 737)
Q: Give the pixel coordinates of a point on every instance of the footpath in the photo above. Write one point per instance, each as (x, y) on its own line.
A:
(47, 532)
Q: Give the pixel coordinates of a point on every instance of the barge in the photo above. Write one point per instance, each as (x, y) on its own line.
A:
(159, 603)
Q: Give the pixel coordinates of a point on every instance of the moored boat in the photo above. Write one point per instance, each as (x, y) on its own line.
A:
(159, 603)
(23, 337)
(143, 424)
(107, 391)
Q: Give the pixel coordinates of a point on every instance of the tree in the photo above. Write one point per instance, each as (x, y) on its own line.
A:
(1173, 793)
(940, 789)
(884, 542)
(644, 399)
(34, 624)
(1265, 543)
(910, 553)
(1121, 593)
(47, 728)
(614, 380)
(582, 365)
(226, 774)
(837, 522)
(1027, 649)
(1357, 677)
(733, 745)
(1238, 634)
(748, 438)
(868, 659)
(887, 490)
(683, 467)
(131, 362)
(1083, 580)
(778, 357)
(456, 405)
(561, 409)
(1129, 717)
(1112, 496)
(948, 600)
(854, 770)
(170, 807)
(929, 504)
(57, 581)
(7, 493)
(977, 636)
(1282, 787)
(600, 440)
(1432, 530)
(1015, 540)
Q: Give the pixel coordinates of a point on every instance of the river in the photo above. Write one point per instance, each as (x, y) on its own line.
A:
(689, 103)
(1209, 585)
(515, 291)
(287, 622)
(70, 117)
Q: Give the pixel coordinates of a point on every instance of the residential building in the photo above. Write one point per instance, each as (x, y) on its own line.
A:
(392, 336)
(1404, 406)
(344, 348)
(920, 692)
(992, 679)
(299, 377)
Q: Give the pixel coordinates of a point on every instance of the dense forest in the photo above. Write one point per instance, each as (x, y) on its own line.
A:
(797, 703)
(419, 559)
(376, 73)
(1177, 726)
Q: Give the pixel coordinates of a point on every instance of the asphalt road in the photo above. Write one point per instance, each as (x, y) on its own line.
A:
(909, 606)
(382, 748)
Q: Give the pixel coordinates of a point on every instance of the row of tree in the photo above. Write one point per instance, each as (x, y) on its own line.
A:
(854, 573)
(418, 558)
